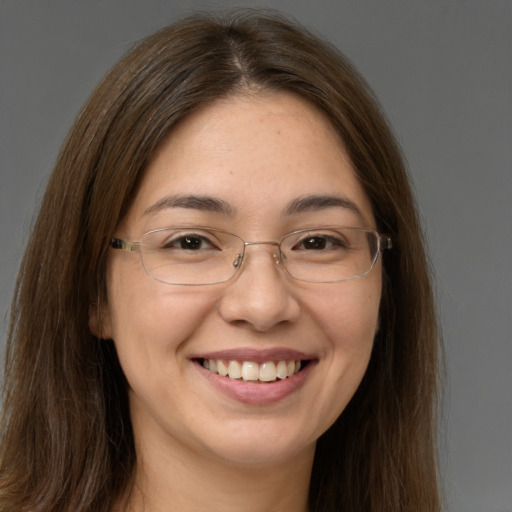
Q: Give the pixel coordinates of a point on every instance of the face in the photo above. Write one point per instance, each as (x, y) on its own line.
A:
(256, 156)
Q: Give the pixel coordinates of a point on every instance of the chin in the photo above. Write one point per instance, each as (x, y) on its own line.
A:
(262, 444)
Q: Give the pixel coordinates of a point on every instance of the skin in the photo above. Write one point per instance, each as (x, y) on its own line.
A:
(197, 448)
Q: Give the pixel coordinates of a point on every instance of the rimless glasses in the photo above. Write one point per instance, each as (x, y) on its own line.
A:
(196, 255)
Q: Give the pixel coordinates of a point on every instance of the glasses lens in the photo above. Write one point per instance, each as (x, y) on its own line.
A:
(330, 254)
(191, 255)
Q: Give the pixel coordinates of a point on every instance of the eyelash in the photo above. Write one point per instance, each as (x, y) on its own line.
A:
(334, 242)
(321, 242)
(179, 240)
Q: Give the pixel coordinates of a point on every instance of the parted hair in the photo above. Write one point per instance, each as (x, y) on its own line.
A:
(66, 437)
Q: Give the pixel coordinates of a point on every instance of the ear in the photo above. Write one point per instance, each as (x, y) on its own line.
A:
(100, 323)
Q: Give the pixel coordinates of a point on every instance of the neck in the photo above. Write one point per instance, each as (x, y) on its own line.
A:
(189, 482)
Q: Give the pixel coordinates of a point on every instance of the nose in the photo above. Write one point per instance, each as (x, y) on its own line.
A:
(260, 296)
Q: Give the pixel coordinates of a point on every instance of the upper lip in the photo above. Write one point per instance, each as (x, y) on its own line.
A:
(256, 355)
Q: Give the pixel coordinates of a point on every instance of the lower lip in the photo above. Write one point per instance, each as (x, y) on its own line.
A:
(257, 393)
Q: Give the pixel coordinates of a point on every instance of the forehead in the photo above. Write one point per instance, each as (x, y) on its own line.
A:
(256, 153)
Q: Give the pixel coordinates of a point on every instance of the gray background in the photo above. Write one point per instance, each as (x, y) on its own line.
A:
(443, 71)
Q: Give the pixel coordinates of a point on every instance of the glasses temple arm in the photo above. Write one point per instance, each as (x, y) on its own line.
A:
(385, 242)
(118, 243)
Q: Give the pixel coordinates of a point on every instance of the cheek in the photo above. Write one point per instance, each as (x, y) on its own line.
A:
(150, 319)
(350, 313)
(349, 316)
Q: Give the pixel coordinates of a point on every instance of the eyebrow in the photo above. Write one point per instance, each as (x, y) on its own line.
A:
(321, 202)
(202, 203)
(212, 204)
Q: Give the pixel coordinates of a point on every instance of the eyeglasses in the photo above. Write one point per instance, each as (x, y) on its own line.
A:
(196, 255)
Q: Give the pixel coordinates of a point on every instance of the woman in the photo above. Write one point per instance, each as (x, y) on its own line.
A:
(225, 302)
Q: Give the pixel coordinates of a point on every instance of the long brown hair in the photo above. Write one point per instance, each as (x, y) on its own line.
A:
(67, 442)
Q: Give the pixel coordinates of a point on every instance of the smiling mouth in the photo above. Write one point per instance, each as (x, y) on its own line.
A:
(251, 371)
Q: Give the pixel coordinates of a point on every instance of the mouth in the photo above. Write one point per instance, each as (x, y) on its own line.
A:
(264, 372)
(256, 377)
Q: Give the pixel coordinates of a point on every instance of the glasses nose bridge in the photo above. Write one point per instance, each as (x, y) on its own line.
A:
(269, 242)
(277, 245)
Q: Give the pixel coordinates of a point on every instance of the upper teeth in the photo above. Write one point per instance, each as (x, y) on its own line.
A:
(268, 371)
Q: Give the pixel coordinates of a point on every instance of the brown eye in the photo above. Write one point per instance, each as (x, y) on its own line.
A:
(192, 243)
(319, 243)
(315, 242)
(189, 243)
